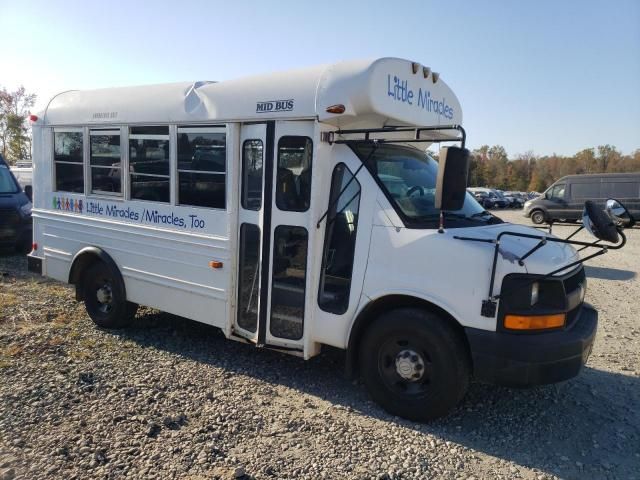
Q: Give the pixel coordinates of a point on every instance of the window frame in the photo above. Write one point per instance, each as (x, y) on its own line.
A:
(54, 162)
(272, 274)
(175, 171)
(277, 167)
(557, 186)
(244, 227)
(353, 180)
(88, 175)
(243, 183)
(168, 136)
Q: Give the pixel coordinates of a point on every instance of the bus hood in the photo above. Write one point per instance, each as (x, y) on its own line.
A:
(548, 258)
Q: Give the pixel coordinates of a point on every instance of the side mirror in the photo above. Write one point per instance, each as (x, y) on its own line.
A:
(451, 184)
(28, 190)
(596, 221)
(619, 213)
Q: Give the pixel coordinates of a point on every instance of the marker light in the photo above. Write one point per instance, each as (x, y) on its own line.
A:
(215, 264)
(414, 67)
(426, 71)
(435, 77)
(339, 108)
(34, 247)
(534, 322)
(33, 118)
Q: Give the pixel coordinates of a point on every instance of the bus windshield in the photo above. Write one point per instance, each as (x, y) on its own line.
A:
(408, 177)
(7, 183)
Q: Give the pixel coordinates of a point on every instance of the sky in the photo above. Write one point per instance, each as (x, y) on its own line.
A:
(542, 76)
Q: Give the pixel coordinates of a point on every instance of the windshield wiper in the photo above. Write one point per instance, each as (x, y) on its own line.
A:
(446, 214)
(461, 216)
(480, 214)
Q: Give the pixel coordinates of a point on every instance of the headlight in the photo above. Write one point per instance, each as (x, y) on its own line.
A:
(535, 292)
(26, 208)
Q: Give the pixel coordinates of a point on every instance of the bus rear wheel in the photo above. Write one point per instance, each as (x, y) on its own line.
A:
(104, 298)
(414, 364)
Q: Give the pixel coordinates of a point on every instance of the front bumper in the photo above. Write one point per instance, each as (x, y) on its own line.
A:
(520, 360)
(14, 235)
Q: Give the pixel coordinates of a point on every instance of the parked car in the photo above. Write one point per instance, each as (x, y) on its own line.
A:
(483, 199)
(506, 198)
(498, 201)
(518, 199)
(564, 200)
(23, 171)
(15, 212)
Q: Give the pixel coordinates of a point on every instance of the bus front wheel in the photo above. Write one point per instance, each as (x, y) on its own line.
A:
(414, 364)
(104, 298)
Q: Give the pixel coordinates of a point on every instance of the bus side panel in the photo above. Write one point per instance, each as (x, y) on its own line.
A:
(161, 268)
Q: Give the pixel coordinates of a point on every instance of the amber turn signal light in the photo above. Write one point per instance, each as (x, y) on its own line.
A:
(215, 264)
(534, 322)
(339, 108)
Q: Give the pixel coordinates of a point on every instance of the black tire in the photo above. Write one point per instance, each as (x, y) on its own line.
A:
(538, 217)
(437, 386)
(104, 297)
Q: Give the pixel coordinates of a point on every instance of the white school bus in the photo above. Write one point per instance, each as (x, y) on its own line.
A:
(299, 209)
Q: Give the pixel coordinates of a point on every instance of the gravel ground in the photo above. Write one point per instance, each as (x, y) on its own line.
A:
(169, 398)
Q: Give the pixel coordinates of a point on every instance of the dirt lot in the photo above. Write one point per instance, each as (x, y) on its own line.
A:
(169, 398)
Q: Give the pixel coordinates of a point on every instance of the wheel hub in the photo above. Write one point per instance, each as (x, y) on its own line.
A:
(410, 365)
(104, 294)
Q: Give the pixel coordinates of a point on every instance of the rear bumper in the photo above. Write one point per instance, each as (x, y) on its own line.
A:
(533, 359)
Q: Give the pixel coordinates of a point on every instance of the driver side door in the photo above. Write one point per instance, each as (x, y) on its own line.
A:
(558, 207)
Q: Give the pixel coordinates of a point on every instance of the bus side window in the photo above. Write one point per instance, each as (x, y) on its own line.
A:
(149, 163)
(339, 241)
(202, 167)
(68, 161)
(293, 179)
(105, 161)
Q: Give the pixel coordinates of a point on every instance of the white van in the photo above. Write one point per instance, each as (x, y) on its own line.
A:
(299, 209)
(23, 171)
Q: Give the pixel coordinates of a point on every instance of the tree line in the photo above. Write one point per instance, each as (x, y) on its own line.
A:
(15, 133)
(491, 167)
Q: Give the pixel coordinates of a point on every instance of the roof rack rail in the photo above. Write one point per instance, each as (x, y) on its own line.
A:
(330, 137)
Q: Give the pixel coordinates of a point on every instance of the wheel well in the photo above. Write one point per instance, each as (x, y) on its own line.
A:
(391, 302)
(83, 260)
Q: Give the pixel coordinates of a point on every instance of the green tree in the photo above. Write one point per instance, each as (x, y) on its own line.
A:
(607, 155)
(586, 161)
(14, 132)
(498, 167)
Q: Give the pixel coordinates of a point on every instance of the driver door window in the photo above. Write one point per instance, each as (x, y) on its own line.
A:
(557, 192)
